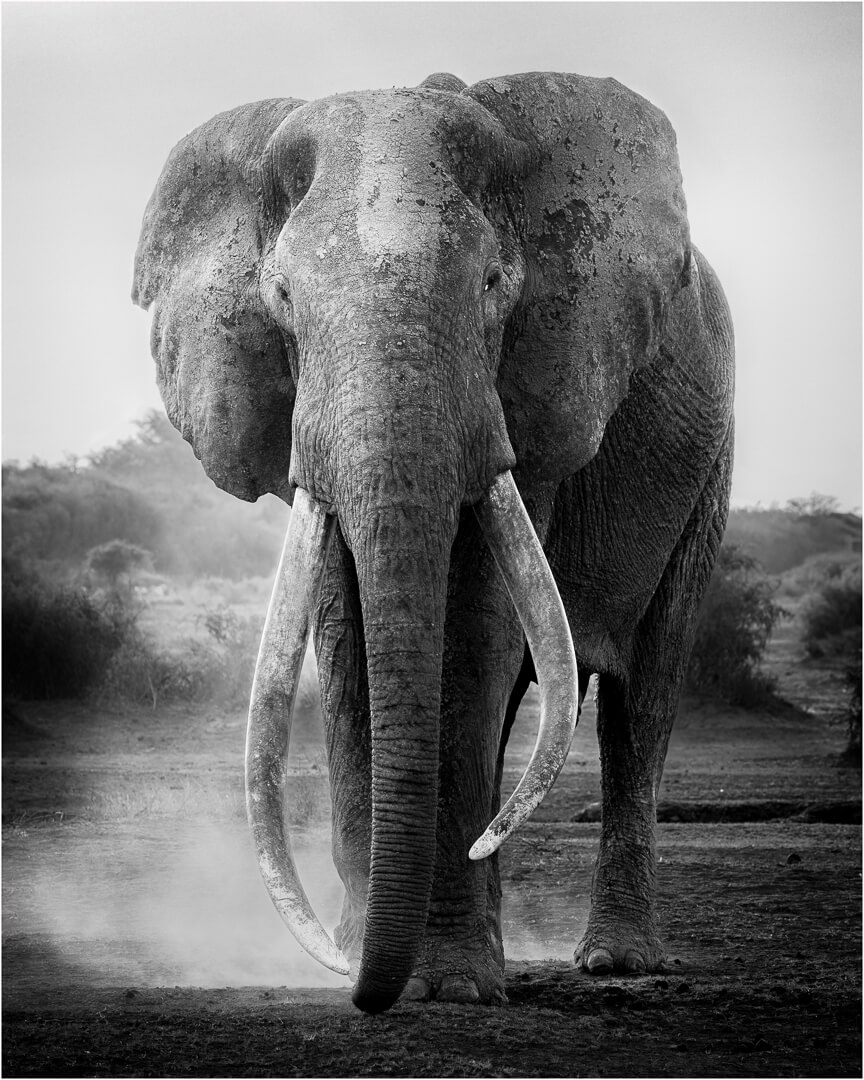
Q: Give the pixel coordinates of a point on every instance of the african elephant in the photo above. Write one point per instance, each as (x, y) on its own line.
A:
(464, 332)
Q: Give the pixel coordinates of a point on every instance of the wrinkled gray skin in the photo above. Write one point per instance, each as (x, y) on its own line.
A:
(388, 298)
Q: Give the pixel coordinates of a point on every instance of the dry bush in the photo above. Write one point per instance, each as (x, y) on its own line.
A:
(732, 633)
(808, 578)
(853, 713)
(216, 670)
(142, 673)
(57, 641)
(832, 613)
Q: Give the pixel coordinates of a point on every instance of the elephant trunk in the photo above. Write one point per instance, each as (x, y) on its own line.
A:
(402, 554)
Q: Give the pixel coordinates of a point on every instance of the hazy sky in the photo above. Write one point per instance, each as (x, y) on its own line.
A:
(765, 98)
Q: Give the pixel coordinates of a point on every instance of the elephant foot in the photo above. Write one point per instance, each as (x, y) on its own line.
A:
(456, 989)
(619, 951)
(458, 976)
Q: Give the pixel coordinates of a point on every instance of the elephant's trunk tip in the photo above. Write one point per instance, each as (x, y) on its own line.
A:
(374, 1000)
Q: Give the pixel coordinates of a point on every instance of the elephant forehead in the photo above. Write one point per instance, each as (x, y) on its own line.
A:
(428, 136)
(384, 186)
(401, 194)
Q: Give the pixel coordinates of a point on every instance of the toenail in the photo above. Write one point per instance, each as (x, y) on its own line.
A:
(458, 988)
(416, 989)
(599, 962)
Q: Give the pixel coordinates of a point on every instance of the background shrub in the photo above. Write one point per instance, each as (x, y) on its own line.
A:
(832, 613)
(853, 714)
(116, 561)
(142, 673)
(57, 642)
(216, 671)
(732, 632)
(808, 578)
(831, 621)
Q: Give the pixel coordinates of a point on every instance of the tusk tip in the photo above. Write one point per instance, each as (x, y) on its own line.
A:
(326, 952)
(485, 846)
(330, 955)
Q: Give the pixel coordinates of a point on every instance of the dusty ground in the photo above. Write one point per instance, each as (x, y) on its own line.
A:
(138, 940)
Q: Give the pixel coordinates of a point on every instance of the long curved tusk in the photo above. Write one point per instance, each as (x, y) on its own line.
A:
(274, 688)
(512, 540)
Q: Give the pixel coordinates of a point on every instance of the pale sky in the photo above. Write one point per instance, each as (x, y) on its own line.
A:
(765, 98)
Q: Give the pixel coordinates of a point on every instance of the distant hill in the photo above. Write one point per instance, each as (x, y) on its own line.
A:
(781, 539)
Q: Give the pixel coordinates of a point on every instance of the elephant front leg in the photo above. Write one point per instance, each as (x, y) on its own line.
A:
(462, 957)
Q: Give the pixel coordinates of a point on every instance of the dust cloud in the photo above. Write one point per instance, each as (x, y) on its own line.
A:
(174, 905)
(177, 906)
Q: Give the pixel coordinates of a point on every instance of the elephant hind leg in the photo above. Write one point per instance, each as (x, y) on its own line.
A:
(526, 676)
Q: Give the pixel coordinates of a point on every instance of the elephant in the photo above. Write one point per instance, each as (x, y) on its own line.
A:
(463, 332)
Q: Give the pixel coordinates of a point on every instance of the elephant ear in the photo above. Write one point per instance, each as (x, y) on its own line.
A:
(603, 224)
(223, 365)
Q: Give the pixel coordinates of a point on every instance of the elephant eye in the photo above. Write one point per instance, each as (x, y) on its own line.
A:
(493, 276)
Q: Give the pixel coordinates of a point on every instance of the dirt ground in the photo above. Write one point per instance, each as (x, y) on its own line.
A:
(139, 941)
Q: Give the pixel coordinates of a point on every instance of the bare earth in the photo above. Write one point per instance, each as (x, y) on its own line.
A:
(138, 940)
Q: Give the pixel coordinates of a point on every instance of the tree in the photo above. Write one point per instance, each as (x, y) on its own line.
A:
(814, 505)
(116, 561)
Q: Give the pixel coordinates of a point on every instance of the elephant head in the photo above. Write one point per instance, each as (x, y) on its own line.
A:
(376, 305)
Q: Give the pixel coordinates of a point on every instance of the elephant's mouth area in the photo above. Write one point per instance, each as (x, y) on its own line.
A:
(514, 544)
